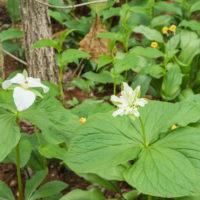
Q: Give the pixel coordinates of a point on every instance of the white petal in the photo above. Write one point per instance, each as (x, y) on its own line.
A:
(35, 82)
(18, 79)
(118, 112)
(115, 99)
(135, 112)
(23, 98)
(137, 91)
(127, 89)
(6, 84)
(140, 102)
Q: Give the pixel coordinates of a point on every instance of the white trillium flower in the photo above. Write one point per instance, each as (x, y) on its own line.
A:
(23, 96)
(129, 102)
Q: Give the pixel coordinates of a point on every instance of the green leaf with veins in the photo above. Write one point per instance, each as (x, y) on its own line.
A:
(104, 142)
(9, 134)
(149, 33)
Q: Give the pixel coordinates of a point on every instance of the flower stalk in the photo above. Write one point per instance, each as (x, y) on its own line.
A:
(19, 176)
(143, 132)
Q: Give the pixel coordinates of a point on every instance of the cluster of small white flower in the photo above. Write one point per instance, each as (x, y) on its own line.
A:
(129, 102)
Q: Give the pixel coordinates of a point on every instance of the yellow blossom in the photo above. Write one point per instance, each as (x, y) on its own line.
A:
(165, 30)
(172, 28)
(154, 44)
(174, 127)
(82, 120)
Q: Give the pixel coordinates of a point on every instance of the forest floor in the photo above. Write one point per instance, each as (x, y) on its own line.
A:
(56, 171)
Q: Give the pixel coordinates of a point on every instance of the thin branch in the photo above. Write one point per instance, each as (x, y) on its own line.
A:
(71, 6)
(16, 58)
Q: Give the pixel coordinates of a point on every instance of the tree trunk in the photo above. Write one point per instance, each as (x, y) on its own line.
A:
(1, 62)
(36, 26)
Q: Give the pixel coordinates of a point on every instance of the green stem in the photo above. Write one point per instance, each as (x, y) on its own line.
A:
(61, 85)
(114, 87)
(143, 132)
(149, 197)
(19, 176)
(38, 138)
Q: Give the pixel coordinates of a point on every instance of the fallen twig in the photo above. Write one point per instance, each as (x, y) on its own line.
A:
(71, 6)
(15, 57)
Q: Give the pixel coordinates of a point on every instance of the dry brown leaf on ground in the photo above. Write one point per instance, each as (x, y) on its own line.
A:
(93, 45)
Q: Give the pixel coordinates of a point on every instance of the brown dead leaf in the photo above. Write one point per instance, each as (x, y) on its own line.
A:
(93, 45)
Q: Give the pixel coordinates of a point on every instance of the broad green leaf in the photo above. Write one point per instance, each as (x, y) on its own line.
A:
(105, 142)
(52, 151)
(111, 12)
(172, 81)
(192, 24)
(7, 101)
(102, 77)
(37, 162)
(103, 60)
(153, 70)
(195, 7)
(5, 192)
(54, 197)
(71, 55)
(10, 34)
(189, 198)
(102, 139)
(142, 80)
(25, 149)
(45, 43)
(168, 168)
(168, 7)
(63, 36)
(173, 43)
(9, 134)
(147, 52)
(161, 20)
(77, 194)
(186, 37)
(49, 189)
(186, 94)
(111, 36)
(90, 107)
(129, 61)
(51, 118)
(132, 195)
(149, 33)
(56, 15)
(190, 44)
(13, 9)
(81, 83)
(98, 181)
(82, 24)
(33, 183)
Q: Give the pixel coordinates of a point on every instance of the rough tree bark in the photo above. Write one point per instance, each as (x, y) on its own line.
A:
(1, 62)
(36, 26)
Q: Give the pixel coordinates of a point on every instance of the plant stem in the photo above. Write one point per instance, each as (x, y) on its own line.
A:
(143, 132)
(38, 138)
(149, 197)
(114, 87)
(61, 85)
(19, 177)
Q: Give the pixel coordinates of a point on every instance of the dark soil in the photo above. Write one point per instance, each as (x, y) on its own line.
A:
(8, 175)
